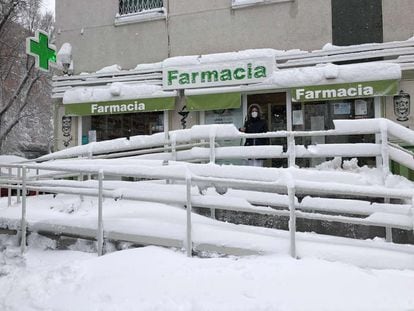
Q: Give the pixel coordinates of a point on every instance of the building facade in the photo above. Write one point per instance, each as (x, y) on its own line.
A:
(274, 53)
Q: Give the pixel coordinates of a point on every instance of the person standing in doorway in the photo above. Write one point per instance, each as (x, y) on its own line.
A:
(255, 123)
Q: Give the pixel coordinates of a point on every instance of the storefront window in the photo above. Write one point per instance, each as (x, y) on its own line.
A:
(226, 116)
(124, 125)
(318, 116)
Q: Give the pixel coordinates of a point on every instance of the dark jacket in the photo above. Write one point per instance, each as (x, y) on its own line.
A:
(256, 125)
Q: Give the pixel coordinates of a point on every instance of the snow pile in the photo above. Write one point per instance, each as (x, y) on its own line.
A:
(64, 56)
(152, 278)
(244, 3)
(149, 67)
(220, 131)
(110, 69)
(10, 159)
(115, 91)
(333, 74)
(221, 57)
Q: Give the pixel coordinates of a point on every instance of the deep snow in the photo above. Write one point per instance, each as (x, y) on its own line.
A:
(153, 278)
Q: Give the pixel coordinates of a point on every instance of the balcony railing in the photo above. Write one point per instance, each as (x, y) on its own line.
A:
(138, 6)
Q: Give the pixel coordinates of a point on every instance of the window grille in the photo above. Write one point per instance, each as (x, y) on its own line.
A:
(137, 6)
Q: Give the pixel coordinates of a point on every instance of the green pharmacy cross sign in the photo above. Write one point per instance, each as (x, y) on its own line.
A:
(40, 48)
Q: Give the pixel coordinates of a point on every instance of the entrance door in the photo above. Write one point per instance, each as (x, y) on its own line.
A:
(273, 106)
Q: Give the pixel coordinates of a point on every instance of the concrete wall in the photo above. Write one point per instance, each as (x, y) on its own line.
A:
(194, 27)
(97, 43)
(398, 19)
(208, 26)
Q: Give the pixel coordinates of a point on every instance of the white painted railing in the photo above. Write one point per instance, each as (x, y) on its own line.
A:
(195, 175)
(290, 186)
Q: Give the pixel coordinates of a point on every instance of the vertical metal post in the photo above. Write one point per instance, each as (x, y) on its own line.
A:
(23, 225)
(292, 221)
(174, 147)
(100, 202)
(412, 211)
(388, 230)
(90, 155)
(291, 150)
(80, 178)
(212, 149)
(289, 126)
(79, 131)
(388, 234)
(37, 178)
(378, 114)
(19, 175)
(9, 189)
(189, 242)
(384, 153)
(213, 213)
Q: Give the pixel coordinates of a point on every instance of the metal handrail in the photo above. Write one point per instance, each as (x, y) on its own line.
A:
(291, 188)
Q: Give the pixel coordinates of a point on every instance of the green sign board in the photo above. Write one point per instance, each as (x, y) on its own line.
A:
(120, 107)
(203, 75)
(40, 48)
(344, 91)
(213, 101)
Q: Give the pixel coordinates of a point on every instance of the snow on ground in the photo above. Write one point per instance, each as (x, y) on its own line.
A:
(9, 159)
(153, 278)
(161, 221)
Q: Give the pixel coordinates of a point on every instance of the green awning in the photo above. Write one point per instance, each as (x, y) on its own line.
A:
(121, 106)
(344, 91)
(213, 101)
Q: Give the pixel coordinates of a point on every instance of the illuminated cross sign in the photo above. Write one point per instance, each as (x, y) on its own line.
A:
(40, 48)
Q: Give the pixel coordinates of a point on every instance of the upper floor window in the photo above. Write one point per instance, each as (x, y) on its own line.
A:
(140, 6)
(136, 11)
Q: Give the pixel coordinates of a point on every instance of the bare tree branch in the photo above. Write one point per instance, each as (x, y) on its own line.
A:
(16, 94)
(21, 84)
(19, 115)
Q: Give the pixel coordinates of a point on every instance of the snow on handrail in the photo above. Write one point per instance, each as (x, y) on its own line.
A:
(196, 133)
(292, 181)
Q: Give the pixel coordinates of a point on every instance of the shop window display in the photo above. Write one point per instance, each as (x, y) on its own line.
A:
(320, 116)
(125, 125)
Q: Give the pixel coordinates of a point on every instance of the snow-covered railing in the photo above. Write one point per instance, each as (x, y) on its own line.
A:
(285, 181)
(212, 134)
(202, 143)
(151, 75)
(401, 52)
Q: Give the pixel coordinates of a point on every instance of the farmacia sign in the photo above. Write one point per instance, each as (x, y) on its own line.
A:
(344, 91)
(120, 107)
(217, 74)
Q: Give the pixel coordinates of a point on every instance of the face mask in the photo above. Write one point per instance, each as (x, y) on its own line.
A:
(255, 114)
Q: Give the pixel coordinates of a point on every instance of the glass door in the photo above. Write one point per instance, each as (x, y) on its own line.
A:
(273, 106)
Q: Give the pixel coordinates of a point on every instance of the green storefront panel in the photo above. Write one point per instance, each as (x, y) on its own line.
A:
(344, 91)
(213, 101)
(398, 169)
(121, 107)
